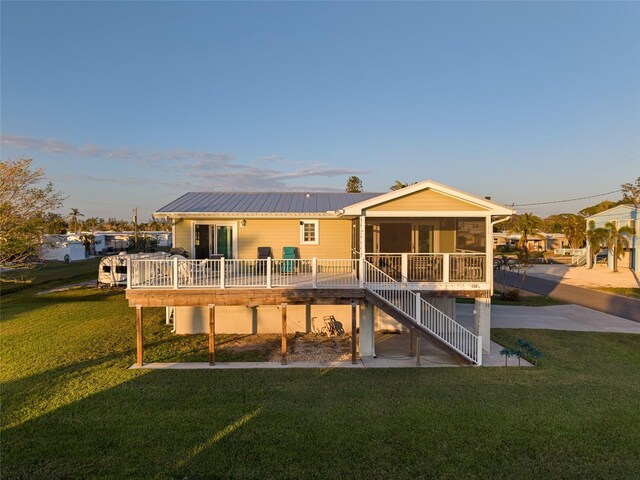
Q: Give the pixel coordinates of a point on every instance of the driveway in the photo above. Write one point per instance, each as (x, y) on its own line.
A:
(604, 302)
(557, 317)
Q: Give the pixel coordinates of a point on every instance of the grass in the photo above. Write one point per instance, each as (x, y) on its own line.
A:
(72, 409)
(625, 292)
(51, 275)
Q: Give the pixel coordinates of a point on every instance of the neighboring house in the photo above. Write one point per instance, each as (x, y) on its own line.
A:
(62, 248)
(274, 262)
(108, 242)
(538, 243)
(622, 215)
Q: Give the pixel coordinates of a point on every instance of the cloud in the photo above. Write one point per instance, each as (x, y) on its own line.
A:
(190, 169)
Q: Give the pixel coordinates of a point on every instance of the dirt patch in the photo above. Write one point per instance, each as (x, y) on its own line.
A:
(310, 347)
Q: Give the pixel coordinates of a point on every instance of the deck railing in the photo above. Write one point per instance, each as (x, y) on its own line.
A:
(422, 312)
(232, 273)
(416, 269)
(431, 267)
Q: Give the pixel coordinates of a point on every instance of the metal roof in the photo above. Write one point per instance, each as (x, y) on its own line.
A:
(265, 202)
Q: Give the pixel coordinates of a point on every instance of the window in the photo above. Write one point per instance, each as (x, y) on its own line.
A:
(309, 232)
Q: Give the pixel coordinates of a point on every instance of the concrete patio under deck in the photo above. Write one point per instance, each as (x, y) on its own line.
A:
(391, 349)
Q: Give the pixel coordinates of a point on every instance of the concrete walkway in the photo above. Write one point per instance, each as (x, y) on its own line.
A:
(624, 307)
(556, 317)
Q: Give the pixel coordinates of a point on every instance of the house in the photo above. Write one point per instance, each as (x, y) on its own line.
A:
(108, 242)
(538, 243)
(277, 262)
(622, 215)
(62, 247)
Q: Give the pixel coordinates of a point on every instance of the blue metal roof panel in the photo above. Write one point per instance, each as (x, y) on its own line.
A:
(266, 202)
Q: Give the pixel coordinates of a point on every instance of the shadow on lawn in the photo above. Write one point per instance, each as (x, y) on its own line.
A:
(148, 425)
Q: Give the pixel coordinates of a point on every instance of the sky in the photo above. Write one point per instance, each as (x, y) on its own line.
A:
(132, 104)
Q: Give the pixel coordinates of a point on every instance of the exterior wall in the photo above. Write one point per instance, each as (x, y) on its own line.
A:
(75, 250)
(262, 319)
(624, 216)
(426, 200)
(334, 237)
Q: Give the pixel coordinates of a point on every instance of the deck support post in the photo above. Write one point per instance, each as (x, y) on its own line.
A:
(417, 350)
(283, 312)
(482, 321)
(354, 328)
(139, 343)
(212, 335)
(411, 343)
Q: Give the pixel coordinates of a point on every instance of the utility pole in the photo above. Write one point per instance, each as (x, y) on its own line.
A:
(135, 227)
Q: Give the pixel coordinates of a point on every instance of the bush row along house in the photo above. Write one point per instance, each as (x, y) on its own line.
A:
(277, 262)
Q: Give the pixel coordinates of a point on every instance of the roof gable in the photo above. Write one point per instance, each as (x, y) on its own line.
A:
(428, 196)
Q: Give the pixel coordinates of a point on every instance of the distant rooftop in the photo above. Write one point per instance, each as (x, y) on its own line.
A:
(263, 202)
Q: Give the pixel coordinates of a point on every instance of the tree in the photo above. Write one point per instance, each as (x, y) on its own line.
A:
(596, 239)
(617, 241)
(573, 229)
(24, 204)
(398, 185)
(600, 207)
(74, 222)
(55, 224)
(526, 225)
(354, 184)
(631, 192)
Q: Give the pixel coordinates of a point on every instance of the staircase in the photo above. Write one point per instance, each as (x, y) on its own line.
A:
(421, 317)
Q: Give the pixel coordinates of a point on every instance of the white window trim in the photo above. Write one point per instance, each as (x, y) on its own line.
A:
(303, 222)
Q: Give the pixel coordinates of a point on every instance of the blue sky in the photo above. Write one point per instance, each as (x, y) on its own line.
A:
(135, 103)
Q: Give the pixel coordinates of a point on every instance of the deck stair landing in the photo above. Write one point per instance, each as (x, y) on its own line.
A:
(412, 311)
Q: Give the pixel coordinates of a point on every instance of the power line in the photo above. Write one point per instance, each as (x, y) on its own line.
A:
(564, 201)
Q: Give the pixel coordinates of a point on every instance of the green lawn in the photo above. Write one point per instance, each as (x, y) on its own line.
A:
(625, 292)
(50, 275)
(72, 409)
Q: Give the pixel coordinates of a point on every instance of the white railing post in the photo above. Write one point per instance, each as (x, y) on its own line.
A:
(404, 267)
(446, 267)
(479, 351)
(268, 272)
(418, 308)
(361, 270)
(222, 272)
(129, 273)
(175, 273)
(314, 272)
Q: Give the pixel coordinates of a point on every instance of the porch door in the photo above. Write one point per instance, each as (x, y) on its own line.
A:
(202, 241)
(224, 244)
(213, 240)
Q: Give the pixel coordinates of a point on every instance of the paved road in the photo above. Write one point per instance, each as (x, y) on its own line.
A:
(612, 304)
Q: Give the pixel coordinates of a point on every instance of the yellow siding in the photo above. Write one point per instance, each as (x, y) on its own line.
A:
(426, 200)
(182, 238)
(335, 238)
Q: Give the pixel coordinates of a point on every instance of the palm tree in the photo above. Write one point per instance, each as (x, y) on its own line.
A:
(596, 238)
(74, 222)
(527, 226)
(617, 240)
(398, 185)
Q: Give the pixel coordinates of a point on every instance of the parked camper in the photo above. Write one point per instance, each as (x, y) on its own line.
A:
(112, 271)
